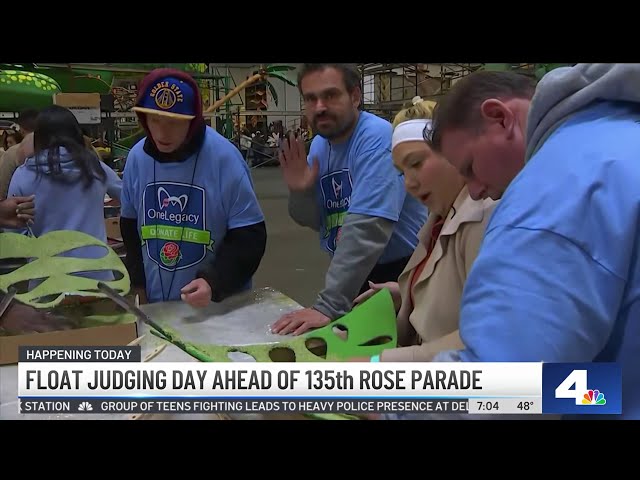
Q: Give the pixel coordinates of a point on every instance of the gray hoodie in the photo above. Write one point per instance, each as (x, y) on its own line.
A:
(564, 91)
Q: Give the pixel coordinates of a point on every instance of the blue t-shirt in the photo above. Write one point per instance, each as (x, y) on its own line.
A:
(558, 276)
(184, 210)
(67, 205)
(358, 177)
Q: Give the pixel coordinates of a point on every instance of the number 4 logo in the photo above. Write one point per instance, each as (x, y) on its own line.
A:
(577, 378)
(581, 393)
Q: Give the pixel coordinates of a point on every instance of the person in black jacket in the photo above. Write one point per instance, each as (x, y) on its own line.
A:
(190, 219)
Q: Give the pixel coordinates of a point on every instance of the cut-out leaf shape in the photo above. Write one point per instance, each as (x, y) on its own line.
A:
(59, 271)
(366, 323)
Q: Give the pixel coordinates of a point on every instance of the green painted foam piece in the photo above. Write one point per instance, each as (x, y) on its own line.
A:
(293, 350)
(371, 328)
(58, 270)
(288, 350)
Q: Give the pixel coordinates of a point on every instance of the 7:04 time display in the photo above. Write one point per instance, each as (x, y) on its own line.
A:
(487, 406)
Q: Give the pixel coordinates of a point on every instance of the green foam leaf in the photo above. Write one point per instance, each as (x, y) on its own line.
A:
(57, 271)
(371, 328)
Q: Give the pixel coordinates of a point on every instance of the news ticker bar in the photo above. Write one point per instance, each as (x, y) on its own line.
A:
(93, 405)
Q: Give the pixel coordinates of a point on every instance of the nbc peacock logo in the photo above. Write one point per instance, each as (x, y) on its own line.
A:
(594, 397)
(581, 393)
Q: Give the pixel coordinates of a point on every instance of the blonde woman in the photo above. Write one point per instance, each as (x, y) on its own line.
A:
(428, 292)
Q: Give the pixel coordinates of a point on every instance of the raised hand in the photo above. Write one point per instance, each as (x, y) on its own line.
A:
(297, 173)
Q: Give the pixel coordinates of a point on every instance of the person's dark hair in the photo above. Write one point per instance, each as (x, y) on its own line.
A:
(11, 134)
(350, 73)
(56, 128)
(460, 107)
(27, 119)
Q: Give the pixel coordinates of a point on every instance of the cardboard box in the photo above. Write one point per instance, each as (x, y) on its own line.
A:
(85, 106)
(109, 335)
(78, 313)
(77, 99)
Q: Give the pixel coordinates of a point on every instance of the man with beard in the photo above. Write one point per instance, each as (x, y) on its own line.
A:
(348, 190)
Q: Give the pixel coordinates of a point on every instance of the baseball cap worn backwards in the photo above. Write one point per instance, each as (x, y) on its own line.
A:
(168, 96)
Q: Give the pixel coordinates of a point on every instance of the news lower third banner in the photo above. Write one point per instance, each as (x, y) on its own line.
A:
(114, 380)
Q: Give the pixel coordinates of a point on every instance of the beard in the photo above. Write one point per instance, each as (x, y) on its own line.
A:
(335, 128)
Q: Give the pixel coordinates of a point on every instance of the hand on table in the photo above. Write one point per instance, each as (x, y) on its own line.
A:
(300, 321)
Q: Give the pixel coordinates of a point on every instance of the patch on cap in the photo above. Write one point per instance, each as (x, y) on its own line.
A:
(168, 96)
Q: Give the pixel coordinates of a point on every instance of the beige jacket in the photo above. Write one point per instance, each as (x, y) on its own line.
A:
(11, 160)
(432, 325)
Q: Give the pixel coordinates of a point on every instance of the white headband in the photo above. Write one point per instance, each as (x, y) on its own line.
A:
(409, 131)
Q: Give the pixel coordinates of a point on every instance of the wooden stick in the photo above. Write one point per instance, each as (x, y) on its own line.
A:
(155, 352)
(136, 341)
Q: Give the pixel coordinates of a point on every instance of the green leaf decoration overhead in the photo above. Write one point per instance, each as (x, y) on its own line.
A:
(284, 79)
(21, 88)
(274, 94)
(279, 68)
(196, 67)
(58, 274)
